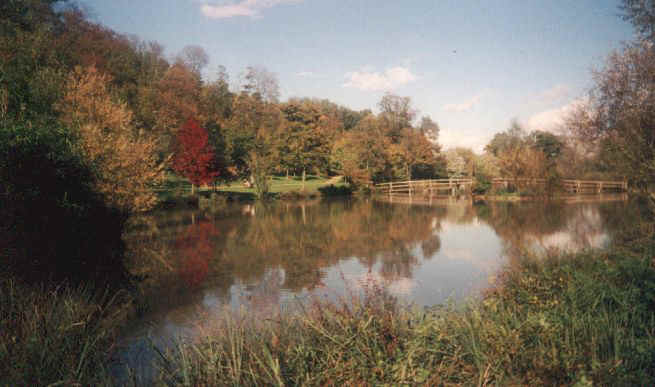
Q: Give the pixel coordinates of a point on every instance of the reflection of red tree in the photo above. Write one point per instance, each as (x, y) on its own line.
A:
(194, 248)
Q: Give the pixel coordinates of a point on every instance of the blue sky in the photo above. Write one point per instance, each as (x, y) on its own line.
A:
(471, 65)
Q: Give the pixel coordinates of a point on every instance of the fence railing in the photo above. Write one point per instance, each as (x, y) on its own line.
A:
(450, 186)
(569, 185)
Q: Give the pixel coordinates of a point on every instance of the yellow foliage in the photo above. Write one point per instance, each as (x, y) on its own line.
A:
(125, 160)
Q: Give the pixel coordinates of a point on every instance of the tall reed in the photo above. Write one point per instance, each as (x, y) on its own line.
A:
(56, 335)
(564, 319)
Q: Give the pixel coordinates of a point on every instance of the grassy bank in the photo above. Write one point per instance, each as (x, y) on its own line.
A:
(563, 320)
(176, 188)
(572, 320)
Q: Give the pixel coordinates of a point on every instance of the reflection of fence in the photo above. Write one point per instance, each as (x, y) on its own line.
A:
(430, 187)
(569, 185)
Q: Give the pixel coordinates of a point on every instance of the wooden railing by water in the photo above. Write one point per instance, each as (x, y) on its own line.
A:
(569, 185)
(431, 186)
(463, 185)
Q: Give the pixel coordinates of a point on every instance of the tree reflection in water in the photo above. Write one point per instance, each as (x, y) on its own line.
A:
(269, 250)
(194, 248)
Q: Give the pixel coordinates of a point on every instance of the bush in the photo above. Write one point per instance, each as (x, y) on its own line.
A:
(481, 186)
(332, 190)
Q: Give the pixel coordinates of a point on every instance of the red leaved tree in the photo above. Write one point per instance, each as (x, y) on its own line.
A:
(194, 157)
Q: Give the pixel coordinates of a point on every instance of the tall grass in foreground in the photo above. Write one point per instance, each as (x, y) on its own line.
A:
(563, 320)
(55, 335)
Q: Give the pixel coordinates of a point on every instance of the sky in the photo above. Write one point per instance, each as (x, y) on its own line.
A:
(472, 66)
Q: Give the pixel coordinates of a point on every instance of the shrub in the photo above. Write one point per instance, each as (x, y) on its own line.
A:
(332, 190)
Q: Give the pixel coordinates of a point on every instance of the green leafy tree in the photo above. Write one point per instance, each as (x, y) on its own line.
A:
(304, 138)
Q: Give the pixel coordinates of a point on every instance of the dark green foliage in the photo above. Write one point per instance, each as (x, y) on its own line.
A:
(548, 143)
(53, 223)
(332, 190)
(481, 185)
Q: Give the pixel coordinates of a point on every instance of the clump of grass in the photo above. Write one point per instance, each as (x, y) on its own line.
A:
(578, 319)
(55, 335)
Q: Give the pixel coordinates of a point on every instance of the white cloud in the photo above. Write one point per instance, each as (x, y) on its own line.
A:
(464, 106)
(375, 81)
(552, 119)
(474, 139)
(555, 93)
(251, 8)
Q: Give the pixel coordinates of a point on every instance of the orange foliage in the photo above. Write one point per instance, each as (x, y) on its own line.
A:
(125, 160)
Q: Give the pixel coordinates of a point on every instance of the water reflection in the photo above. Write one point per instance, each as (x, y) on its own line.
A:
(262, 255)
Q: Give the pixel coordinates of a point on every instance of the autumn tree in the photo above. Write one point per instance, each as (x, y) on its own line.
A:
(263, 156)
(620, 115)
(175, 98)
(125, 158)
(525, 156)
(429, 129)
(511, 138)
(304, 138)
(396, 114)
(194, 57)
(461, 162)
(193, 157)
(251, 121)
(641, 13)
(362, 154)
(260, 81)
(413, 149)
(216, 98)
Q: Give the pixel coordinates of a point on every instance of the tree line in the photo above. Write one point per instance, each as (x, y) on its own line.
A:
(134, 113)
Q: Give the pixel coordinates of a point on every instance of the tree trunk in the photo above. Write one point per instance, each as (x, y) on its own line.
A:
(304, 172)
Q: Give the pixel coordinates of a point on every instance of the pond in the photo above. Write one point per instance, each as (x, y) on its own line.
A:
(198, 264)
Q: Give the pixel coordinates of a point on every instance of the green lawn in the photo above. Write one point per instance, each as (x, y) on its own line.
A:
(179, 186)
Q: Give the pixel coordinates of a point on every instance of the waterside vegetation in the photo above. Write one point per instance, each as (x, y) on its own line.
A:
(582, 319)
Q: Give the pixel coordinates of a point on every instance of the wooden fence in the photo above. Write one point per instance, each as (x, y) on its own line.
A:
(431, 187)
(569, 185)
(459, 185)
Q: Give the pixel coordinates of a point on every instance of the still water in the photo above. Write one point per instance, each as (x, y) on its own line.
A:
(196, 264)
